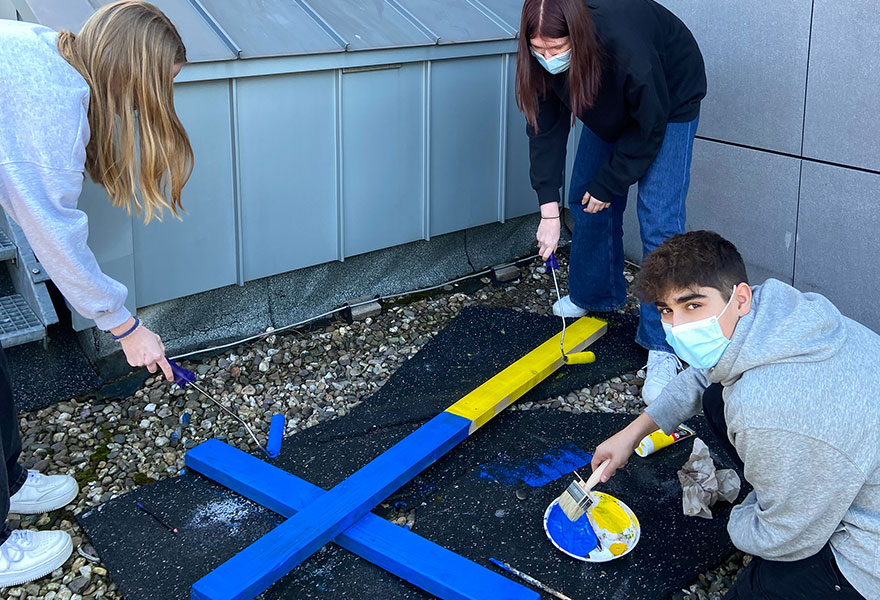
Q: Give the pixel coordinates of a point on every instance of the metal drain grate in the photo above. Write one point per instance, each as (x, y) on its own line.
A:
(18, 323)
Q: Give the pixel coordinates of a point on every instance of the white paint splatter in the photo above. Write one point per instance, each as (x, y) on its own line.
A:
(222, 513)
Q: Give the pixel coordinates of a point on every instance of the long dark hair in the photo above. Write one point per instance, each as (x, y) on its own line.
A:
(558, 19)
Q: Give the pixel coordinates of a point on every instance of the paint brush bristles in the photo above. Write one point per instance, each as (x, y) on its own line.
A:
(576, 499)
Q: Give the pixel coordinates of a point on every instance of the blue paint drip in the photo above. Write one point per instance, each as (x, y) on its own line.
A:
(536, 473)
(576, 537)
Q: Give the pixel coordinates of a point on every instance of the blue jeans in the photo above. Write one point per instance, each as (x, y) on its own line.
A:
(596, 280)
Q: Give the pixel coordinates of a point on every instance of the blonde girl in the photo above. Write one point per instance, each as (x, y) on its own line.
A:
(97, 102)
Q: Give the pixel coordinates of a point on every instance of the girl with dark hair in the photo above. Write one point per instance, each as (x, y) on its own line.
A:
(632, 72)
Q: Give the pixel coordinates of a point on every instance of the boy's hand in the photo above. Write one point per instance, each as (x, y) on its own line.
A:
(620, 446)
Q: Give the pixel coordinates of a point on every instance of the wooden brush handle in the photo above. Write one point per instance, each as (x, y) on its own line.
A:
(594, 478)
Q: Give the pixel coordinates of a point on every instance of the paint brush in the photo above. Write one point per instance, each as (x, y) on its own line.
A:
(155, 516)
(528, 579)
(576, 499)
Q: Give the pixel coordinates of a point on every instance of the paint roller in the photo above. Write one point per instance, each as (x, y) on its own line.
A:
(184, 377)
(575, 358)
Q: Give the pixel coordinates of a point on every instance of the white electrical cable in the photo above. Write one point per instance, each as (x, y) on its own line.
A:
(336, 310)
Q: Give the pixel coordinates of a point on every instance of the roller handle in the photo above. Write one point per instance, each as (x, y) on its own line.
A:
(552, 263)
(181, 376)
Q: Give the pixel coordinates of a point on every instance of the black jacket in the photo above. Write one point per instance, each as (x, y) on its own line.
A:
(652, 74)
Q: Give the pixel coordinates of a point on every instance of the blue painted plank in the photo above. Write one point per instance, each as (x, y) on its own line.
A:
(423, 563)
(261, 564)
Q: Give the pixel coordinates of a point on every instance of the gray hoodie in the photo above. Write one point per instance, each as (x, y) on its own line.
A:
(44, 131)
(802, 404)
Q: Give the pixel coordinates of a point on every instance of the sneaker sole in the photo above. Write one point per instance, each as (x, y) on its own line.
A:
(43, 569)
(45, 507)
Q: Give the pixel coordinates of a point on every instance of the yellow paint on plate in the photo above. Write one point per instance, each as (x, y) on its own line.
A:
(609, 515)
(617, 548)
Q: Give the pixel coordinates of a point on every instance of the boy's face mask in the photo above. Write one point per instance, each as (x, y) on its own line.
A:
(699, 343)
(556, 63)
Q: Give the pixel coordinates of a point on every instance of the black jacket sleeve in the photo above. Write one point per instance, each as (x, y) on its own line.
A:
(647, 100)
(547, 148)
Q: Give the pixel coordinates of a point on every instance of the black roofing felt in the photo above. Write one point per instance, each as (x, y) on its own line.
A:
(455, 506)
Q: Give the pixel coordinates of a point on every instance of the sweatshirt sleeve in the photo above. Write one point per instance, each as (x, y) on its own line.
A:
(43, 201)
(647, 99)
(681, 399)
(547, 148)
(802, 489)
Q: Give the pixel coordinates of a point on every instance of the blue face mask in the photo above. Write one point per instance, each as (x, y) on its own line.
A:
(556, 63)
(699, 343)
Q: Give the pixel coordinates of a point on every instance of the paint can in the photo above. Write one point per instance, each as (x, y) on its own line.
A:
(659, 440)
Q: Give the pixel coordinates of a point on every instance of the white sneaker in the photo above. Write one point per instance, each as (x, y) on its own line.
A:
(564, 307)
(28, 555)
(661, 368)
(42, 493)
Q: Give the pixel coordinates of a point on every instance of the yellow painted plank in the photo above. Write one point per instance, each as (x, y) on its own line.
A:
(509, 385)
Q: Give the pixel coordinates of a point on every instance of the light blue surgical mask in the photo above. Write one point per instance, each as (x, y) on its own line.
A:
(699, 343)
(556, 63)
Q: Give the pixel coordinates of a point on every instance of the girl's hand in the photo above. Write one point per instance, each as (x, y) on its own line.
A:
(548, 237)
(143, 348)
(593, 205)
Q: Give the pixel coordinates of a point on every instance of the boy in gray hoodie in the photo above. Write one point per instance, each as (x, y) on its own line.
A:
(792, 390)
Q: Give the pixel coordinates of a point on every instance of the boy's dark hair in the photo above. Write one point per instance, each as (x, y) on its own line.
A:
(688, 261)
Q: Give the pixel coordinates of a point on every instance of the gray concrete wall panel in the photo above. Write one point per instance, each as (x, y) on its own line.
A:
(756, 64)
(464, 149)
(751, 198)
(383, 158)
(287, 157)
(175, 258)
(842, 123)
(837, 249)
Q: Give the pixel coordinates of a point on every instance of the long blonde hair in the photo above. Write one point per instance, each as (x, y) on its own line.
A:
(126, 52)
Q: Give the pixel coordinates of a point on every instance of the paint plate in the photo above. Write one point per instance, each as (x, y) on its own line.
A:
(610, 521)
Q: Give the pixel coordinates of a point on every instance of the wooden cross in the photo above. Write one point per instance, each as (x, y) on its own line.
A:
(342, 514)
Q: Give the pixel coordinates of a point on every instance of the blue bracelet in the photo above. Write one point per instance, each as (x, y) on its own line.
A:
(137, 323)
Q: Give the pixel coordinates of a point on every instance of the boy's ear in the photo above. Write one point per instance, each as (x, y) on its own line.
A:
(742, 299)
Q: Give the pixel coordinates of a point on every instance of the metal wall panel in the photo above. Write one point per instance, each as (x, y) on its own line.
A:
(287, 161)
(751, 198)
(57, 14)
(177, 258)
(520, 198)
(383, 158)
(115, 253)
(369, 24)
(842, 123)
(838, 253)
(464, 143)
(509, 11)
(756, 63)
(454, 20)
(272, 28)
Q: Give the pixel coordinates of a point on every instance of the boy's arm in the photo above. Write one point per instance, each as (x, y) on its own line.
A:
(802, 489)
(681, 399)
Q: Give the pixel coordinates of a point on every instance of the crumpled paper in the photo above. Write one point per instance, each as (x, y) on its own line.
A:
(702, 485)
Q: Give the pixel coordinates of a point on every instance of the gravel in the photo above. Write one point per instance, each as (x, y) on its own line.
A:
(311, 376)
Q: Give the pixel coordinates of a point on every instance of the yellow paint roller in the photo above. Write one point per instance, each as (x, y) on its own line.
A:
(575, 358)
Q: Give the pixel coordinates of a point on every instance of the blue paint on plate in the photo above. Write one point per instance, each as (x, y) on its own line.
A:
(575, 537)
(536, 473)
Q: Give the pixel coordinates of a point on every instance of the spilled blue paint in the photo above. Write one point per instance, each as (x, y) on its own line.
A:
(557, 463)
(575, 537)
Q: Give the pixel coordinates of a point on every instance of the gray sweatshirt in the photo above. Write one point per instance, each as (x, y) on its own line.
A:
(44, 130)
(802, 404)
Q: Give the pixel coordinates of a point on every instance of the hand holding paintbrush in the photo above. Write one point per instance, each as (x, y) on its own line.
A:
(576, 499)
